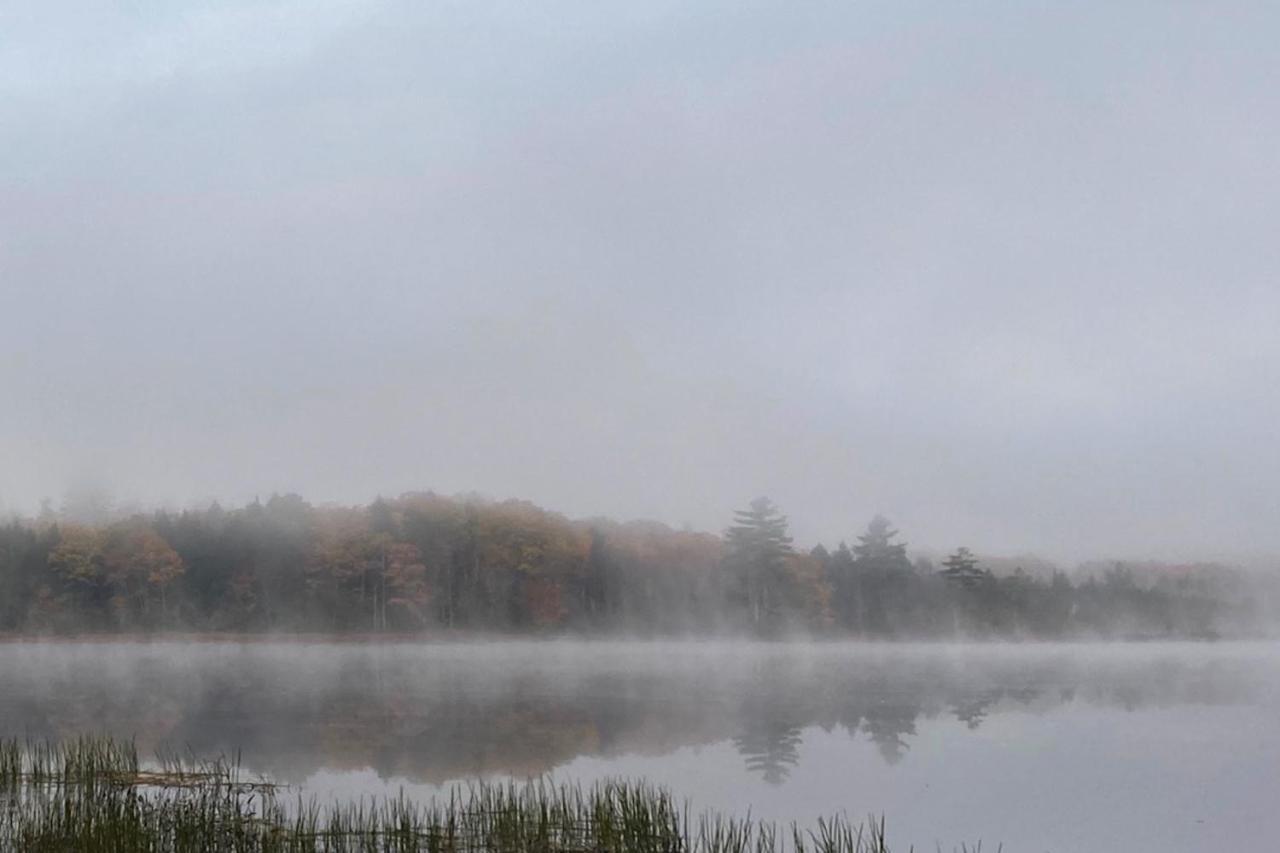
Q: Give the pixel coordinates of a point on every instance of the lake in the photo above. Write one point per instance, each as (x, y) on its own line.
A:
(1044, 747)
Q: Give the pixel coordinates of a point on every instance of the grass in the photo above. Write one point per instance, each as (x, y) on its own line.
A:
(93, 795)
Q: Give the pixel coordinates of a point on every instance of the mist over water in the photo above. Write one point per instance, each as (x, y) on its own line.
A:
(338, 338)
(1042, 746)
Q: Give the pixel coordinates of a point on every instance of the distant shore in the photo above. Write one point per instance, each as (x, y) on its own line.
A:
(467, 637)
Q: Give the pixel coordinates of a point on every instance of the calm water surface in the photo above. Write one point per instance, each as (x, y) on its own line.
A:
(1042, 747)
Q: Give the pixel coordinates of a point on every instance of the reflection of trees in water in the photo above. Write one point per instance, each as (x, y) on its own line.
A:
(772, 715)
(432, 714)
(884, 708)
(888, 723)
(770, 749)
(972, 710)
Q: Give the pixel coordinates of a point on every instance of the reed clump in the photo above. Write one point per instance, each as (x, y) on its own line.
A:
(93, 795)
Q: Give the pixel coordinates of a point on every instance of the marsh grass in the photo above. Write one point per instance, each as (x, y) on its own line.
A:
(93, 795)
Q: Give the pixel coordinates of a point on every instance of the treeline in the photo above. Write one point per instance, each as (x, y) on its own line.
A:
(428, 563)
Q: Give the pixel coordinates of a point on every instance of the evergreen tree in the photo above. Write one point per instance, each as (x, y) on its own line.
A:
(962, 568)
(843, 579)
(877, 547)
(882, 572)
(758, 546)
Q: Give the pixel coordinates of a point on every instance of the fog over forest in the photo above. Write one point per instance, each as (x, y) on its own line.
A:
(582, 425)
(426, 564)
(1003, 273)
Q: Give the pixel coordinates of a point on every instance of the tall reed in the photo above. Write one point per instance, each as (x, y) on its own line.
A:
(93, 795)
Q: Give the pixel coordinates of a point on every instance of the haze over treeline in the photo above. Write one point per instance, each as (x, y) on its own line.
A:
(1004, 271)
(428, 563)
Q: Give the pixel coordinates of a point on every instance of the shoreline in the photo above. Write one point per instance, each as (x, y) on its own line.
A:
(471, 638)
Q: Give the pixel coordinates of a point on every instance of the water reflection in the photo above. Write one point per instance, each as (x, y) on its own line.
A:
(434, 713)
(771, 748)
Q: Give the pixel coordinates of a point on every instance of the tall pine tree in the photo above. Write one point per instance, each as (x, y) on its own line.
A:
(962, 568)
(758, 547)
(882, 572)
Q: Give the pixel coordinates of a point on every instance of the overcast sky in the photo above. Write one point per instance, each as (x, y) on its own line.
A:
(1005, 272)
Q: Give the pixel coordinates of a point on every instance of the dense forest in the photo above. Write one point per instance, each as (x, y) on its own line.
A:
(428, 563)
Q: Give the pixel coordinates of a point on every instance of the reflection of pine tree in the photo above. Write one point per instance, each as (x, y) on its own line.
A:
(886, 724)
(770, 749)
(972, 710)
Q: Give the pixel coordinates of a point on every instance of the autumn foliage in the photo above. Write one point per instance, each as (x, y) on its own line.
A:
(425, 563)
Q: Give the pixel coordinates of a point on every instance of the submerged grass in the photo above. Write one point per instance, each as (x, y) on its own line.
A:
(92, 795)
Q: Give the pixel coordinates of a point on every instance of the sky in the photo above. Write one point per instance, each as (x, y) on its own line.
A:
(1004, 272)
